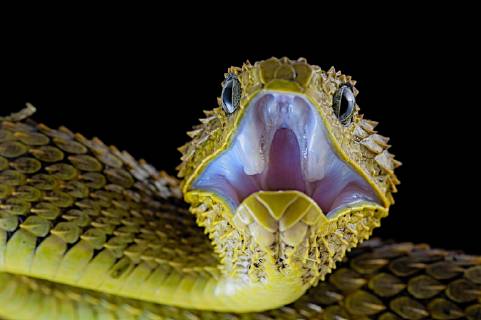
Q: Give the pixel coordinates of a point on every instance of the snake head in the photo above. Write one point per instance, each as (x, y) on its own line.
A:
(285, 174)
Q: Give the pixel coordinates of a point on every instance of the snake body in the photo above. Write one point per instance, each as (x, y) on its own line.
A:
(89, 232)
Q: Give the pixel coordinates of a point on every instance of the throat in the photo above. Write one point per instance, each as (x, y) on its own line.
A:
(284, 170)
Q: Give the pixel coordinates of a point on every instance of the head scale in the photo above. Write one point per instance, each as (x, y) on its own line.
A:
(303, 234)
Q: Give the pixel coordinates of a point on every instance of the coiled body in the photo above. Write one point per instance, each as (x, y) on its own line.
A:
(76, 212)
(377, 281)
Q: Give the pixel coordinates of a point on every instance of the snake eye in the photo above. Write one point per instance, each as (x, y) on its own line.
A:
(344, 103)
(231, 94)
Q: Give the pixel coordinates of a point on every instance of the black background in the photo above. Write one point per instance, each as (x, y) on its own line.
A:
(141, 88)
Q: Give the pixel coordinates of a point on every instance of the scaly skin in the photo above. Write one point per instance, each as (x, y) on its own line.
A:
(88, 232)
(377, 281)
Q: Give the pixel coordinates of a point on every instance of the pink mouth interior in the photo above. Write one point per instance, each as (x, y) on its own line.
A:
(284, 169)
(281, 144)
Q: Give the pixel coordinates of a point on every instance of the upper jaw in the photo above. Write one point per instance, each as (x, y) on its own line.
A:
(281, 143)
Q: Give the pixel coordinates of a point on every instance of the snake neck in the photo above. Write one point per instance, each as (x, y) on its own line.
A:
(250, 271)
(255, 262)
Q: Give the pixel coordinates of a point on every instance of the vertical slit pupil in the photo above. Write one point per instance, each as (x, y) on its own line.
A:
(346, 105)
(227, 97)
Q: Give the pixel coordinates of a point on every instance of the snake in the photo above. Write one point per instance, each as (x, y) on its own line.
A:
(277, 194)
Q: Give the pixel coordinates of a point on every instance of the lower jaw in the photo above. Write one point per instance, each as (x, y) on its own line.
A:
(265, 243)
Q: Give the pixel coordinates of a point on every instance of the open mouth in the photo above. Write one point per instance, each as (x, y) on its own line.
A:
(282, 144)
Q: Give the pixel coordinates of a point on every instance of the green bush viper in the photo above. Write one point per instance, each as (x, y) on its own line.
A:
(278, 182)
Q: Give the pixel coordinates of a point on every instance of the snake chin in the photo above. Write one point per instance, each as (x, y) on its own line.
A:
(282, 144)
